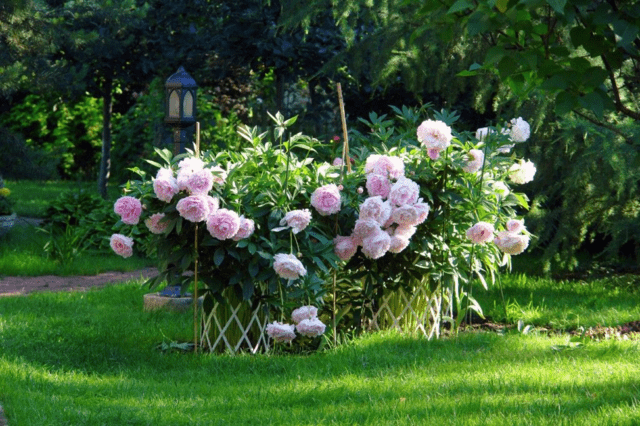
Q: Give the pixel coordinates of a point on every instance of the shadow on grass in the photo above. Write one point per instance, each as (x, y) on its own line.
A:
(90, 358)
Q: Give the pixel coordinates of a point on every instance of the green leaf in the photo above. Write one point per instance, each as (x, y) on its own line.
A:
(502, 5)
(626, 32)
(290, 121)
(155, 164)
(565, 102)
(507, 67)
(247, 290)
(593, 102)
(478, 23)
(556, 82)
(557, 5)
(254, 268)
(459, 6)
(218, 256)
(579, 36)
(320, 265)
(265, 255)
(494, 55)
(466, 73)
(252, 248)
(235, 279)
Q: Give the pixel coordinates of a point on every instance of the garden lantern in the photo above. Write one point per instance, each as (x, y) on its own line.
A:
(180, 106)
(180, 113)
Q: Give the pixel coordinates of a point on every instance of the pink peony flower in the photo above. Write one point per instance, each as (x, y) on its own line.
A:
(165, 188)
(310, 327)
(122, 245)
(165, 173)
(516, 226)
(344, 247)
(156, 224)
(434, 135)
(376, 245)
(423, 211)
(384, 165)
(371, 162)
(288, 266)
(511, 243)
(405, 231)
(398, 243)
(186, 168)
(304, 312)
(477, 158)
(194, 208)
(337, 161)
(375, 208)
(481, 232)
(522, 172)
(281, 332)
(406, 215)
(247, 227)
(200, 182)
(219, 175)
(433, 153)
(363, 229)
(297, 220)
(129, 209)
(390, 221)
(326, 199)
(404, 191)
(223, 224)
(378, 185)
(520, 130)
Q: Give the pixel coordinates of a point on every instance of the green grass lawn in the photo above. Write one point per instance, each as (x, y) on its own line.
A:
(565, 304)
(22, 254)
(33, 197)
(91, 358)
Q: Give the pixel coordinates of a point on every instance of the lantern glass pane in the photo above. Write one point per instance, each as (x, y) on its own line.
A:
(187, 105)
(174, 105)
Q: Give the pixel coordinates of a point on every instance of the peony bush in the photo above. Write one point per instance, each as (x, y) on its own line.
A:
(425, 205)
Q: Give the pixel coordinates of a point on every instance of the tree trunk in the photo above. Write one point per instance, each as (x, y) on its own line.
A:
(105, 160)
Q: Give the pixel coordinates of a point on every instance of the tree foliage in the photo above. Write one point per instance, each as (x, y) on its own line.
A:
(583, 52)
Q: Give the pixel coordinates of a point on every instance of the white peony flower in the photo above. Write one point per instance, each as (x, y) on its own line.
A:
(522, 172)
(520, 130)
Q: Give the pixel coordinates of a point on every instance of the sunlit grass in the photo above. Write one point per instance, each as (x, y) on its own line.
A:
(91, 358)
(22, 254)
(33, 197)
(565, 305)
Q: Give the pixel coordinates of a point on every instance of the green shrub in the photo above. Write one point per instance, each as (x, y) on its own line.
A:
(68, 131)
(585, 204)
(77, 221)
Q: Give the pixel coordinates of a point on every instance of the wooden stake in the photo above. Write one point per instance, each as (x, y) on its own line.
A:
(345, 135)
(195, 267)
